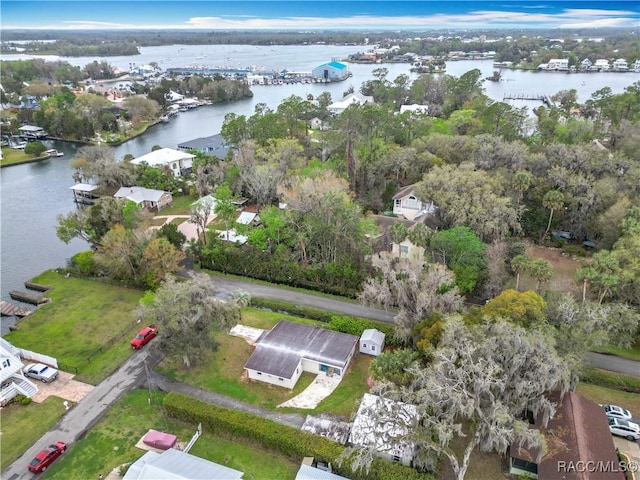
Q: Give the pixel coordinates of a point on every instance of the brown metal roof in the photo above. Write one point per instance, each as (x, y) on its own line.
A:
(578, 432)
(280, 350)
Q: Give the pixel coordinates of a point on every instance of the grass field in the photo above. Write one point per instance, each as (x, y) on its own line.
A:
(12, 156)
(181, 206)
(600, 395)
(111, 443)
(20, 431)
(86, 327)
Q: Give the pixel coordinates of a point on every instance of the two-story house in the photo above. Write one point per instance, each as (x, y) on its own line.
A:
(12, 381)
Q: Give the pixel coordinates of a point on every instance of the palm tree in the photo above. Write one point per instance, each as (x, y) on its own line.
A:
(242, 299)
(398, 232)
(552, 200)
(521, 182)
(541, 270)
(519, 264)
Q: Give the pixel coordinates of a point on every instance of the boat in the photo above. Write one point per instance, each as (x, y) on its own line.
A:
(54, 153)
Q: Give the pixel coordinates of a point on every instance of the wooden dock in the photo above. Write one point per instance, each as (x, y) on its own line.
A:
(528, 96)
(37, 286)
(8, 309)
(26, 297)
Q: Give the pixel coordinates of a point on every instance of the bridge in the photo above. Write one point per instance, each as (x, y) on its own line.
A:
(528, 96)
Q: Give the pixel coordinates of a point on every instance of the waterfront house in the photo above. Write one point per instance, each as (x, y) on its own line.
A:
(620, 65)
(559, 64)
(578, 433)
(178, 162)
(12, 380)
(289, 348)
(32, 132)
(586, 64)
(407, 204)
(149, 198)
(213, 145)
(356, 98)
(601, 65)
(85, 193)
(415, 109)
(331, 71)
(383, 425)
(177, 465)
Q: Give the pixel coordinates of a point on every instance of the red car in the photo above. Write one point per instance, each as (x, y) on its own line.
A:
(47, 456)
(144, 335)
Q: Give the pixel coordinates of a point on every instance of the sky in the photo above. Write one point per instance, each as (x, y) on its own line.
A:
(303, 15)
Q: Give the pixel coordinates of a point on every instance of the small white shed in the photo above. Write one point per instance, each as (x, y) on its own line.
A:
(372, 342)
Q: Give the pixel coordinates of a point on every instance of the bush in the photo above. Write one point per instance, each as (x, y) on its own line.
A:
(616, 381)
(292, 309)
(34, 148)
(25, 401)
(85, 262)
(355, 326)
(289, 441)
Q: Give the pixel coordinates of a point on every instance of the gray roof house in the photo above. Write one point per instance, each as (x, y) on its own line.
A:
(145, 197)
(284, 352)
(213, 145)
(174, 464)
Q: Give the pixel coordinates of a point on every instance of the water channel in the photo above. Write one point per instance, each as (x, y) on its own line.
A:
(31, 195)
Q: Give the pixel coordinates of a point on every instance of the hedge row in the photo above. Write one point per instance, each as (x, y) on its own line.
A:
(249, 261)
(355, 326)
(293, 309)
(289, 441)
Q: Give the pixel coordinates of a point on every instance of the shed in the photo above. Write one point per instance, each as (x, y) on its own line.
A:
(372, 342)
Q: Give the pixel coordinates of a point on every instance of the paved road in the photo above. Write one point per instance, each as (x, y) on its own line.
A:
(615, 364)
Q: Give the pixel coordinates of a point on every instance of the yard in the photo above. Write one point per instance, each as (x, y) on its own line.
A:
(23, 424)
(223, 372)
(111, 443)
(86, 326)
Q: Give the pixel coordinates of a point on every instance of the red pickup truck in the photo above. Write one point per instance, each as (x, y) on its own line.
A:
(144, 335)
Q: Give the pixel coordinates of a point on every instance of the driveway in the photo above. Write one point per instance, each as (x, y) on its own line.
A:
(64, 387)
(629, 448)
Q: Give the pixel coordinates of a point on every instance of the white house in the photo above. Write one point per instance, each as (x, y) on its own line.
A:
(621, 65)
(174, 464)
(408, 205)
(383, 425)
(146, 197)
(558, 64)
(12, 381)
(372, 342)
(331, 71)
(289, 348)
(415, 109)
(248, 218)
(601, 65)
(353, 98)
(586, 64)
(179, 163)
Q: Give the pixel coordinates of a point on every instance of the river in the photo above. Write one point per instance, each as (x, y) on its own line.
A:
(33, 194)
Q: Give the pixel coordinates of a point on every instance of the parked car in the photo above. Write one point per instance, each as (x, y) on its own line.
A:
(40, 371)
(616, 412)
(47, 456)
(624, 428)
(144, 336)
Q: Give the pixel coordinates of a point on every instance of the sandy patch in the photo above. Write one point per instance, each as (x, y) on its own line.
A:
(64, 387)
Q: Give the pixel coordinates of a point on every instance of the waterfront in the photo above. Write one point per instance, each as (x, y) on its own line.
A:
(33, 194)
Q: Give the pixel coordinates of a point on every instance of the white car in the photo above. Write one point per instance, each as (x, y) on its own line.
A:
(624, 428)
(40, 372)
(616, 412)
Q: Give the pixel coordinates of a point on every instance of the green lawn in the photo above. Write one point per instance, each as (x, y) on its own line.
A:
(12, 156)
(632, 353)
(86, 327)
(223, 372)
(22, 425)
(595, 393)
(181, 206)
(111, 443)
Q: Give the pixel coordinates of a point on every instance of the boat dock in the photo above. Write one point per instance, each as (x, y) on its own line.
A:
(8, 309)
(528, 96)
(26, 297)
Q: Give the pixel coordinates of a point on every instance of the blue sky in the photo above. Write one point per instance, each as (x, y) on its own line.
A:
(316, 14)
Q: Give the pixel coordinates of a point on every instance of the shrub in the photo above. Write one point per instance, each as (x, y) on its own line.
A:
(292, 309)
(25, 401)
(355, 326)
(85, 262)
(289, 441)
(34, 148)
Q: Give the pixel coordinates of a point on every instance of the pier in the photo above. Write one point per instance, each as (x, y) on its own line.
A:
(528, 96)
(8, 309)
(26, 297)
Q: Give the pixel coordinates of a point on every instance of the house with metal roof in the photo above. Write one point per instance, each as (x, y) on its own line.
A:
(353, 98)
(331, 71)
(382, 425)
(289, 348)
(213, 145)
(577, 434)
(176, 161)
(146, 197)
(174, 464)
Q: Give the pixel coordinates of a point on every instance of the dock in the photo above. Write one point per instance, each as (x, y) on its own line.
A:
(38, 287)
(528, 96)
(26, 297)
(8, 309)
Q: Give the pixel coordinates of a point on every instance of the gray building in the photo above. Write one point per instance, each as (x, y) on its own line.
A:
(213, 145)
